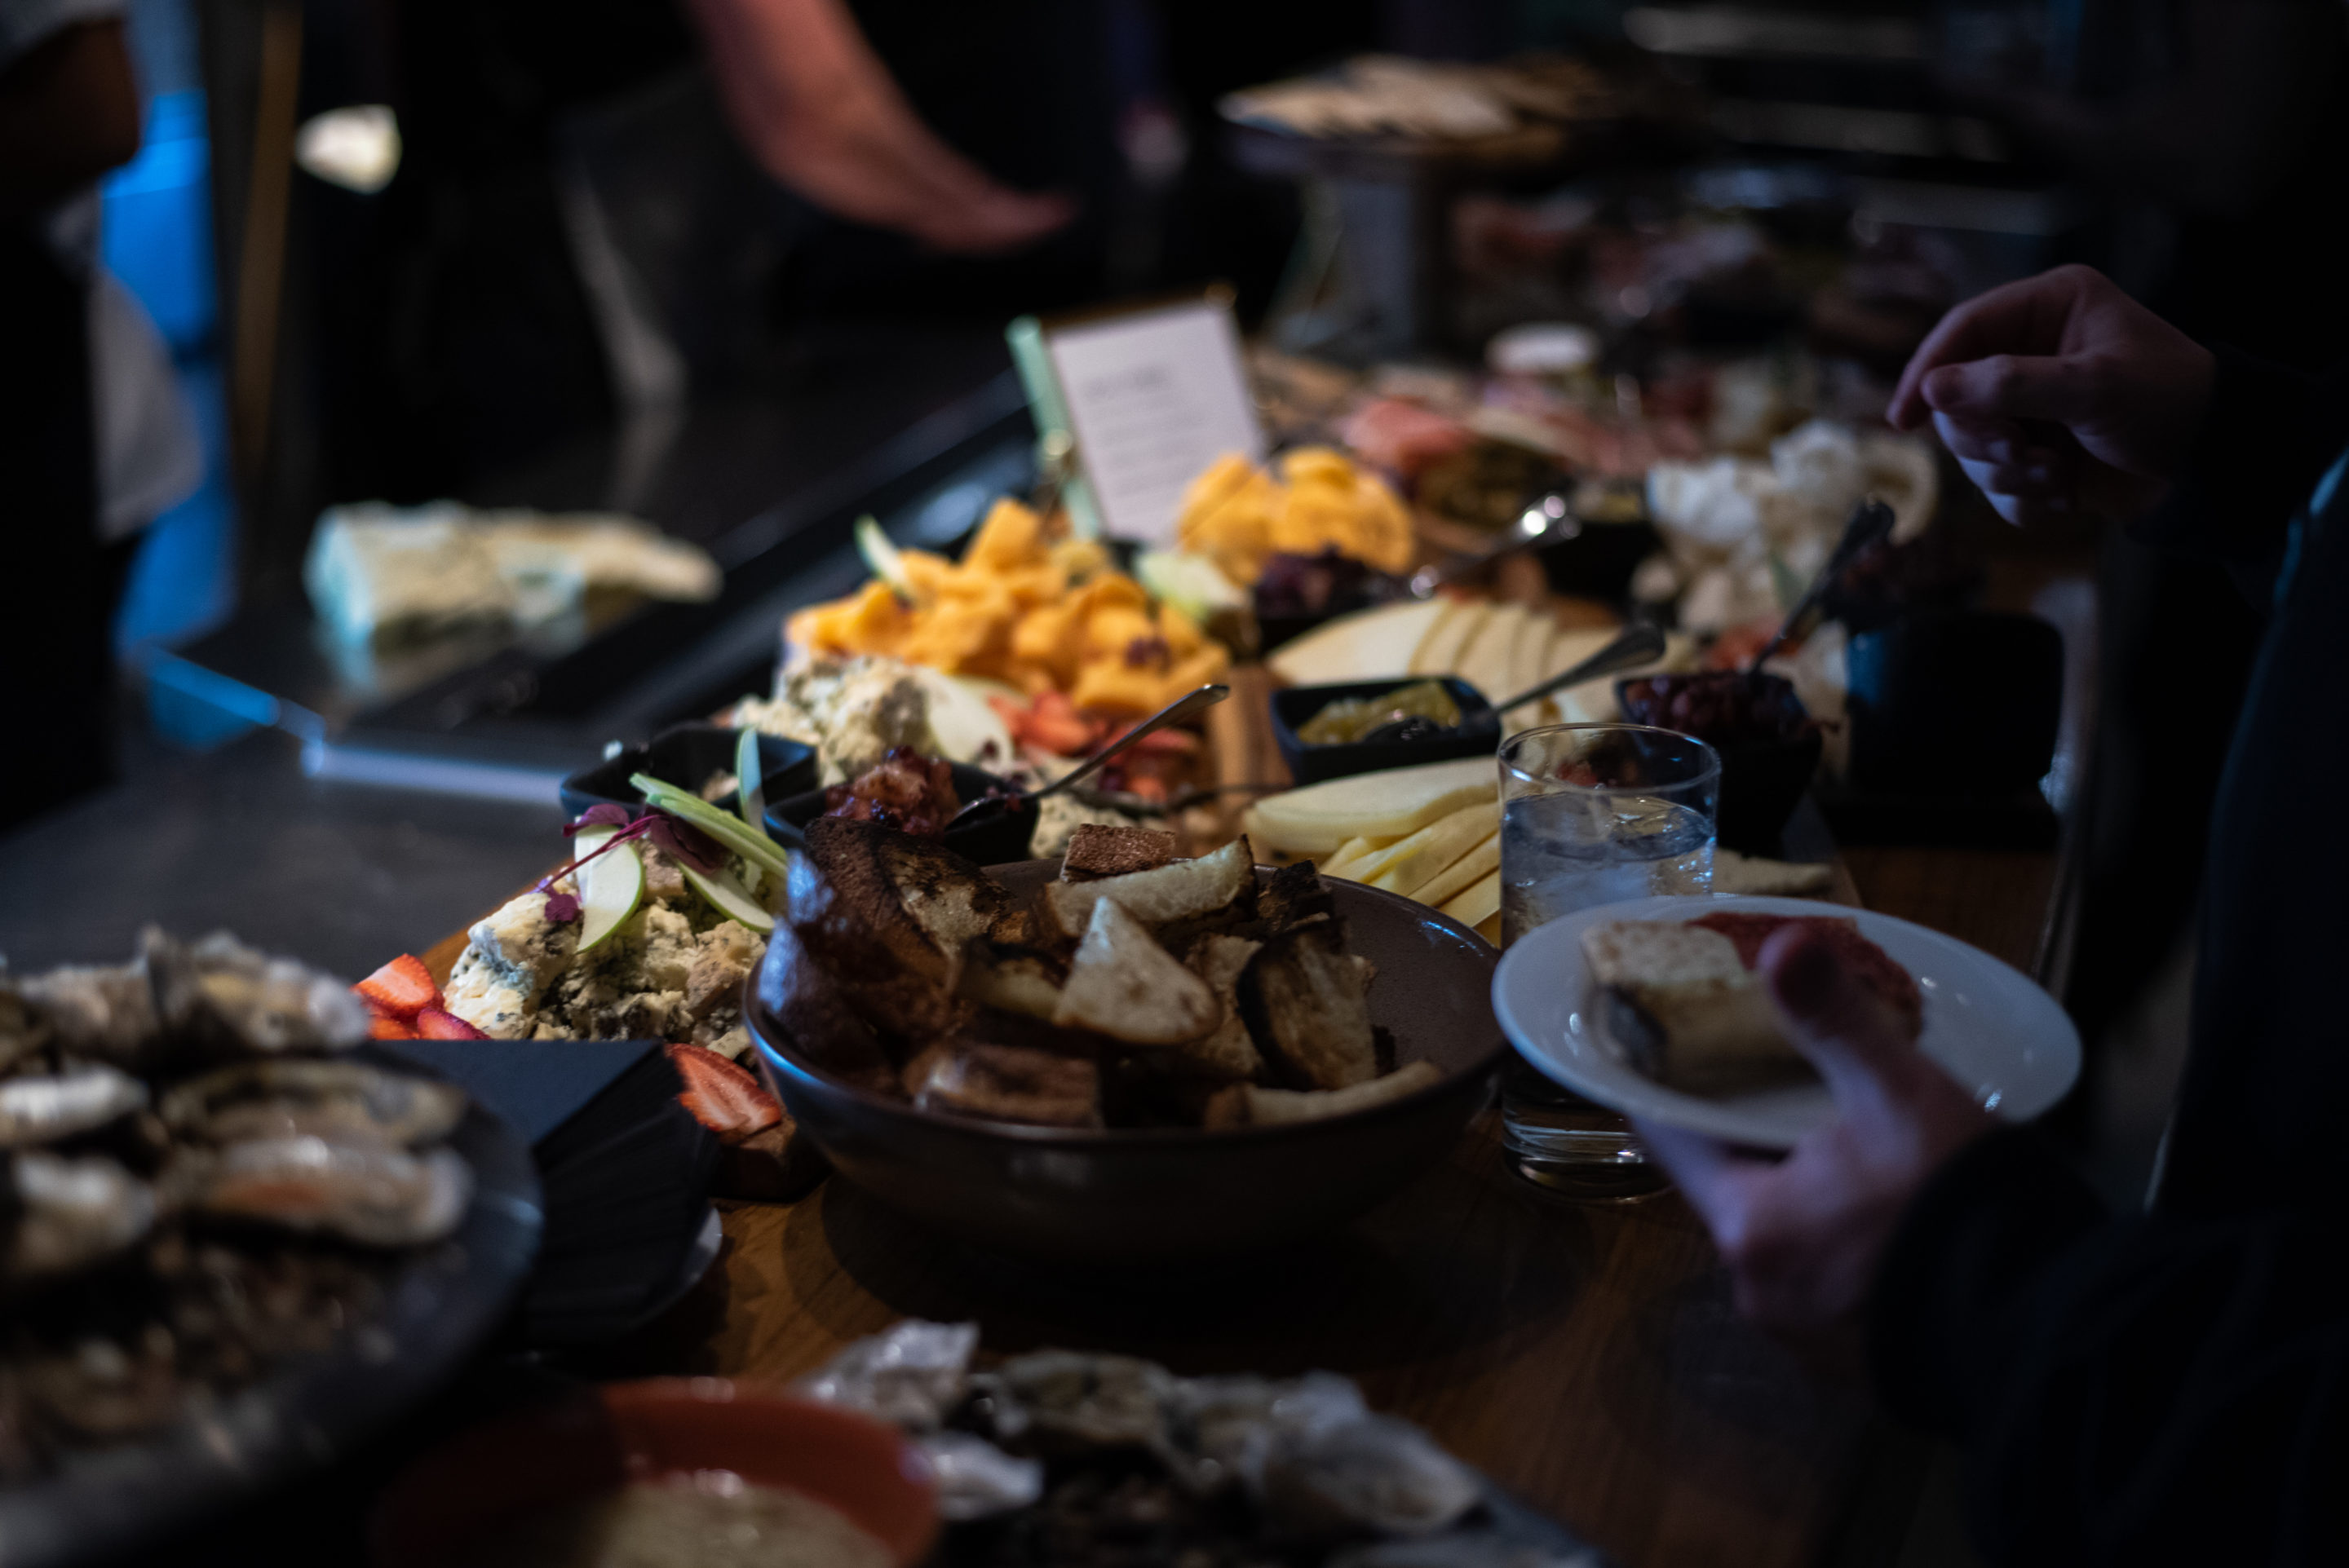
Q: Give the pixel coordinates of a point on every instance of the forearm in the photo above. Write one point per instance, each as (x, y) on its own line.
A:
(2126, 1390)
(68, 112)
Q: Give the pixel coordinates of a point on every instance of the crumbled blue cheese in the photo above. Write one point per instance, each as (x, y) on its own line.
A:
(852, 711)
(657, 978)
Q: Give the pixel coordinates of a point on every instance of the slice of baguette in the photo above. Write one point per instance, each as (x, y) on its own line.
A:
(1685, 1009)
(1212, 884)
(1124, 984)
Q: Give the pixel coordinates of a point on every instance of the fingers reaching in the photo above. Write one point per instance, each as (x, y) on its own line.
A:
(2015, 318)
(1849, 1033)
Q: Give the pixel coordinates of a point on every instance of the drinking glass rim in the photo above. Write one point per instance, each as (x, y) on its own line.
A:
(1711, 774)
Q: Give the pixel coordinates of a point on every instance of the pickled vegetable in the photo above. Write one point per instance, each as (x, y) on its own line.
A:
(1351, 719)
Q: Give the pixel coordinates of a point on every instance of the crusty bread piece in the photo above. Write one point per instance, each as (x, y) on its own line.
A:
(889, 915)
(1006, 1083)
(1016, 979)
(1223, 883)
(1097, 850)
(1302, 997)
(1124, 984)
(1687, 1011)
(1226, 1052)
(817, 1014)
(1250, 1105)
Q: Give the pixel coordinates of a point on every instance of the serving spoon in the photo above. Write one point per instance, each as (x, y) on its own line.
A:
(1870, 521)
(1640, 642)
(987, 807)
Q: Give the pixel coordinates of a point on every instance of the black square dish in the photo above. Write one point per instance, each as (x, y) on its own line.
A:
(993, 842)
(685, 755)
(1479, 732)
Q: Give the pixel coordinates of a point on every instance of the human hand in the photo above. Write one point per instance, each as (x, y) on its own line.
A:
(2060, 394)
(1802, 1235)
(820, 112)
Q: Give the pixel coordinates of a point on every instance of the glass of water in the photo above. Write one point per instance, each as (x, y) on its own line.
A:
(1594, 814)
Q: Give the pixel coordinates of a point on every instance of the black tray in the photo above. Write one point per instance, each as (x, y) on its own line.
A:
(441, 1306)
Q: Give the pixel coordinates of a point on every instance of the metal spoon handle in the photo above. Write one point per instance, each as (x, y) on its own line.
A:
(1642, 642)
(1175, 712)
(1870, 520)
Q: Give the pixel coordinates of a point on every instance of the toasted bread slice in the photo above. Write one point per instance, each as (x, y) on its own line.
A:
(1251, 1105)
(1006, 1083)
(1686, 1009)
(1291, 895)
(1016, 979)
(1221, 884)
(1124, 984)
(889, 893)
(1097, 850)
(1302, 997)
(889, 915)
(1226, 1052)
(817, 1014)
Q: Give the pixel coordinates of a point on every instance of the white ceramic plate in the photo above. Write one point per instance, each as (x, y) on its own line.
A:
(1986, 1022)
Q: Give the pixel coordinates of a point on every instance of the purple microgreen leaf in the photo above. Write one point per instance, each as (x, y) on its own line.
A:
(603, 814)
(562, 909)
(683, 842)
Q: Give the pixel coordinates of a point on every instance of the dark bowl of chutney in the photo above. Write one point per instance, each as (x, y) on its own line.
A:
(1478, 734)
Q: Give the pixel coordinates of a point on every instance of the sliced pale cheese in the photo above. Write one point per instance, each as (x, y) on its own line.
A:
(1321, 818)
(1567, 648)
(1489, 928)
(1439, 651)
(1464, 873)
(1485, 662)
(1438, 632)
(1411, 865)
(1479, 902)
(1527, 656)
(1353, 851)
(1362, 646)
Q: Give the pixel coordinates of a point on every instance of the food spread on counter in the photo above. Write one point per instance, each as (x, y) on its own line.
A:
(204, 1186)
(1138, 990)
(1687, 1006)
(1067, 1458)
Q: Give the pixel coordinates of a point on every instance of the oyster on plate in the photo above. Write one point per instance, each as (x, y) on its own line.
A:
(362, 1192)
(341, 1101)
(71, 1214)
(44, 1107)
(156, 1261)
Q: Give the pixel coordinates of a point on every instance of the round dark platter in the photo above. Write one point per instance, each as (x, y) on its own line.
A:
(441, 1303)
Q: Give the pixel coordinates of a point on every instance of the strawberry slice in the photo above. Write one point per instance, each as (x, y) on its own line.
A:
(380, 1028)
(401, 988)
(437, 1024)
(721, 1095)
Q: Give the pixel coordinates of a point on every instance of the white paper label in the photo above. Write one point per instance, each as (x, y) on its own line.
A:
(1154, 398)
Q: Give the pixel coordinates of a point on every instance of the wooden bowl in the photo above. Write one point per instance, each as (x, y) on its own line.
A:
(1167, 1194)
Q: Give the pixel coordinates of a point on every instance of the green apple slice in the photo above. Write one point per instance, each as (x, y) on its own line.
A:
(611, 886)
(751, 782)
(730, 898)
